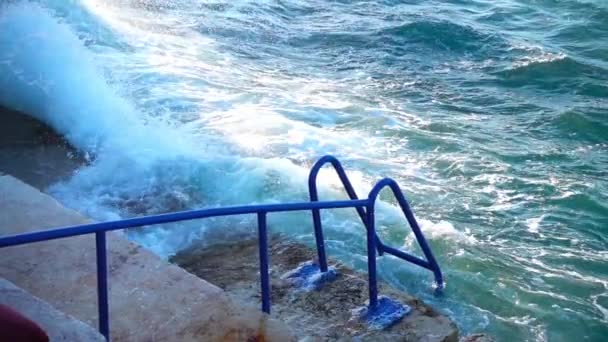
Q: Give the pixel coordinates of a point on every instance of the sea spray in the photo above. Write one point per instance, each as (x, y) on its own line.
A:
(489, 115)
(141, 165)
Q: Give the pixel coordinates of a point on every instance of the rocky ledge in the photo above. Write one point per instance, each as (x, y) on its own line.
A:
(325, 314)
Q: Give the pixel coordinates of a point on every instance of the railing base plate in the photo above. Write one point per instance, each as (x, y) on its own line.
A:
(308, 276)
(385, 314)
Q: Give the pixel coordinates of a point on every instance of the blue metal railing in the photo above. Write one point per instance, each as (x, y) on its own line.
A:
(366, 214)
(316, 213)
(365, 208)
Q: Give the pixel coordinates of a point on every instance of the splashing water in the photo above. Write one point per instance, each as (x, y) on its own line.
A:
(492, 115)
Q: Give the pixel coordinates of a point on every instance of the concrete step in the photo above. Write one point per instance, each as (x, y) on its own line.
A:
(150, 299)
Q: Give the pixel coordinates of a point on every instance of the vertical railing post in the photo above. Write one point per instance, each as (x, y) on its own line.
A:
(411, 219)
(371, 255)
(263, 246)
(316, 219)
(350, 191)
(102, 284)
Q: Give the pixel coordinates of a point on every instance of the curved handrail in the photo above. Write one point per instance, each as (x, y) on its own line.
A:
(365, 208)
(430, 263)
(314, 196)
(101, 228)
(312, 181)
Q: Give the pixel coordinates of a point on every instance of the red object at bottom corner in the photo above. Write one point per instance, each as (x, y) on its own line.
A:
(14, 327)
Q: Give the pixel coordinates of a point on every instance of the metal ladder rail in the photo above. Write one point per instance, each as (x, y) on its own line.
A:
(101, 228)
(365, 208)
(316, 213)
(430, 263)
(367, 218)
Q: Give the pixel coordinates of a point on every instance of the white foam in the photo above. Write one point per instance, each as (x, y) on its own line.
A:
(536, 54)
(440, 230)
(533, 223)
(46, 71)
(146, 164)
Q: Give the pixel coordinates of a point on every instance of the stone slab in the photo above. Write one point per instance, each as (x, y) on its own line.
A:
(323, 315)
(150, 299)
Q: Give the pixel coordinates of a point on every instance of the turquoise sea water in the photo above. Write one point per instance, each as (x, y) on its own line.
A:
(492, 115)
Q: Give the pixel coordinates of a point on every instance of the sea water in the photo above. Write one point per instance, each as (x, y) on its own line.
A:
(492, 115)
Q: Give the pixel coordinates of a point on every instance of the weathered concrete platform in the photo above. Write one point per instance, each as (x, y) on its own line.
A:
(150, 299)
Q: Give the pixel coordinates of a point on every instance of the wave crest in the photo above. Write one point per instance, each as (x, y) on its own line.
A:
(442, 35)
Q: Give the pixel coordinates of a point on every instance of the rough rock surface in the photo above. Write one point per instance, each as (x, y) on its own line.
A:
(150, 299)
(57, 325)
(316, 315)
(32, 151)
(477, 338)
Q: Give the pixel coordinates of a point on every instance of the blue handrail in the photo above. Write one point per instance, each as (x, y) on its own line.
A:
(372, 239)
(374, 243)
(365, 208)
(316, 213)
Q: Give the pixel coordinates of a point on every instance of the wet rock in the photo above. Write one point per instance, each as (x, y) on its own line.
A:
(321, 315)
(477, 338)
(34, 152)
